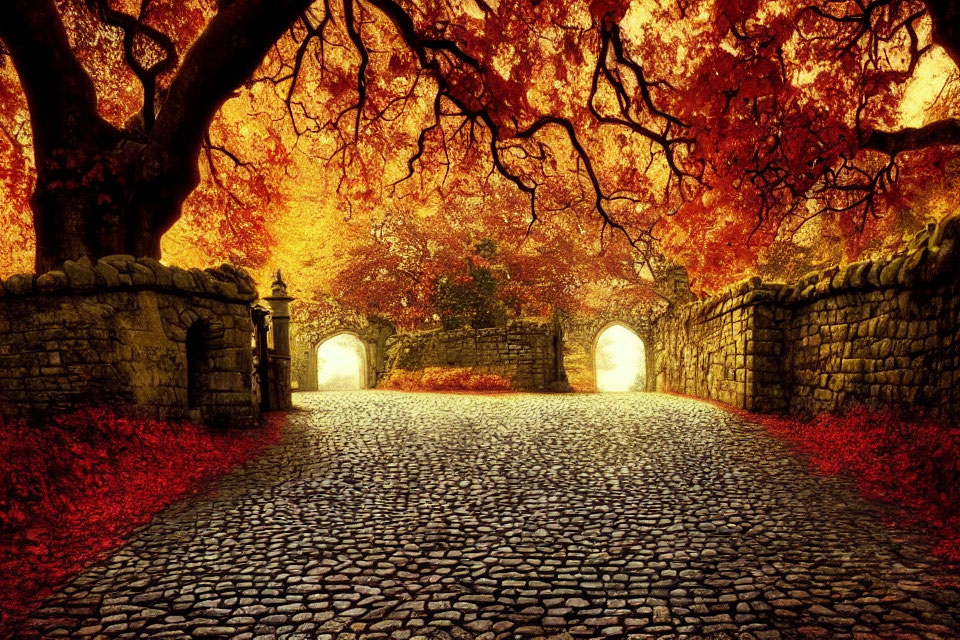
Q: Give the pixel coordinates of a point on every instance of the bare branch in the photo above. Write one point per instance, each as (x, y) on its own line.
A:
(131, 28)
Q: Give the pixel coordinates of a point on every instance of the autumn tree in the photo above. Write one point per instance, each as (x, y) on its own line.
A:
(471, 298)
(464, 259)
(703, 127)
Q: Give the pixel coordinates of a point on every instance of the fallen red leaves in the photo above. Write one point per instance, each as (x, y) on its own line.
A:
(76, 487)
(912, 462)
(444, 379)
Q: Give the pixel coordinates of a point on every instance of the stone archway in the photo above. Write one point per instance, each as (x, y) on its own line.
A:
(342, 362)
(581, 332)
(307, 337)
(619, 359)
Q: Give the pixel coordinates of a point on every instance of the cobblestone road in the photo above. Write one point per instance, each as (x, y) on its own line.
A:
(389, 515)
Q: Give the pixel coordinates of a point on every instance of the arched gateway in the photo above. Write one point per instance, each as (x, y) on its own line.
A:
(620, 359)
(342, 363)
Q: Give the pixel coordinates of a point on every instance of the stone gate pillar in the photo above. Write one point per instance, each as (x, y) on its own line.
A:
(279, 303)
(280, 391)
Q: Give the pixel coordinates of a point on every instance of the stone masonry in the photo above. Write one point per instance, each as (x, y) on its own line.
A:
(316, 321)
(723, 348)
(876, 333)
(523, 351)
(580, 335)
(133, 333)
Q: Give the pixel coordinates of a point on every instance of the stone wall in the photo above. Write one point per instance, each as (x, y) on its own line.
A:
(278, 382)
(879, 332)
(132, 334)
(523, 352)
(726, 348)
(875, 333)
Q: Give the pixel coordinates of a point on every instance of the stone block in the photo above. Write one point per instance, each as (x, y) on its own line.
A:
(161, 273)
(910, 272)
(106, 274)
(183, 280)
(141, 275)
(80, 275)
(890, 271)
(52, 281)
(205, 282)
(121, 262)
(20, 284)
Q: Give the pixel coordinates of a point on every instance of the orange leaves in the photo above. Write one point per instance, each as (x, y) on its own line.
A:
(721, 122)
(100, 48)
(16, 173)
(395, 269)
(444, 379)
(608, 10)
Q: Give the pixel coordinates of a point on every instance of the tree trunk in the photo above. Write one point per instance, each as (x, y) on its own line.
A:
(81, 205)
(945, 15)
(103, 191)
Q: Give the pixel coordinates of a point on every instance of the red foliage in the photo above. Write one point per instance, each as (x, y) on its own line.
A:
(913, 463)
(444, 379)
(729, 135)
(75, 488)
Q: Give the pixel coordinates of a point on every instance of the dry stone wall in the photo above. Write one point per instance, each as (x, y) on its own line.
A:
(128, 333)
(726, 348)
(875, 333)
(523, 352)
(879, 332)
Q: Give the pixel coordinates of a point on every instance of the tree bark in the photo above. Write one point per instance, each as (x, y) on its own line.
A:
(69, 136)
(941, 132)
(945, 16)
(224, 56)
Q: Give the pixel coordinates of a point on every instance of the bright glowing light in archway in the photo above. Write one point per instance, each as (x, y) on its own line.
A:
(341, 364)
(620, 360)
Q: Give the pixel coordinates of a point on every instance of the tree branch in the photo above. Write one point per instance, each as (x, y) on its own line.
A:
(147, 76)
(942, 132)
(222, 58)
(60, 94)
(945, 15)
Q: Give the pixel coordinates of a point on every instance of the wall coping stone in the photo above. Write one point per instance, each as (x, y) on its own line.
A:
(227, 282)
(743, 294)
(928, 257)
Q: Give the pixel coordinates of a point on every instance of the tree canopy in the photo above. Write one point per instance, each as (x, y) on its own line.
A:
(375, 142)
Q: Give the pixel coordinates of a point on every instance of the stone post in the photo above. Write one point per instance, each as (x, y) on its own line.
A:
(259, 316)
(280, 312)
(559, 381)
(281, 393)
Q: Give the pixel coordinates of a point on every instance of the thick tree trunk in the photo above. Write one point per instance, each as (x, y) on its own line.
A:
(101, 191)
(84, 206)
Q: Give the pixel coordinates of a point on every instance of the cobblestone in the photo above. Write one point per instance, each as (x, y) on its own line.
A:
(414, 516)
